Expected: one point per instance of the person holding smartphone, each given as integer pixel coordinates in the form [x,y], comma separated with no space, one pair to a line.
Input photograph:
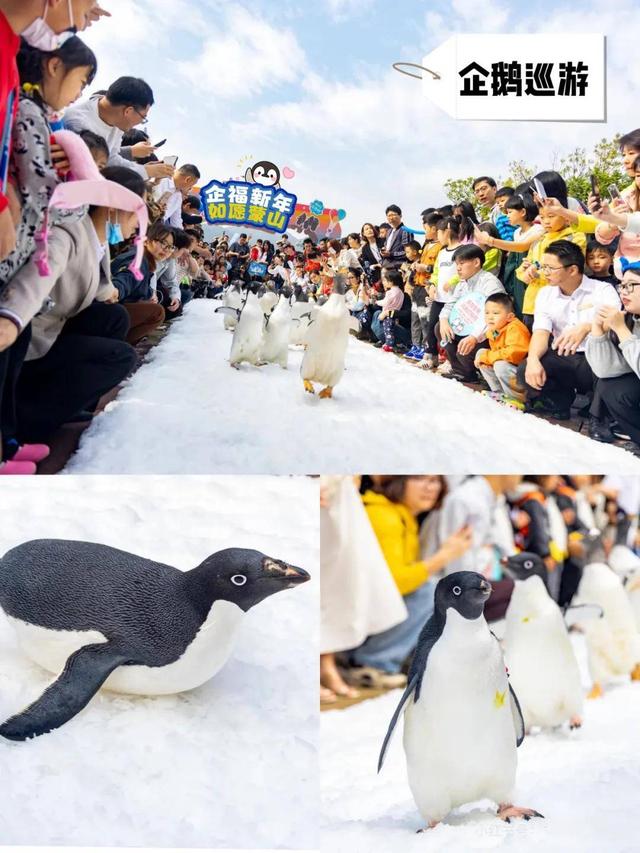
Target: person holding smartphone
[172,190]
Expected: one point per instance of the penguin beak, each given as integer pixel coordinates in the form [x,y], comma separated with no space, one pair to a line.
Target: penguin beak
[486,588]
[288,574]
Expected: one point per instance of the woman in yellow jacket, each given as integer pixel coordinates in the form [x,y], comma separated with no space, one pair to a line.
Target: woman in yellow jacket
[393,505]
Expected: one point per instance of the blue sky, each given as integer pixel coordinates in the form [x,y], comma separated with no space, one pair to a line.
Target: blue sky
[310,86]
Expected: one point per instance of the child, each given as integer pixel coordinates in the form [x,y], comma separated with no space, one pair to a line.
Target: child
[98,147]
[443,277]
[50,82]
[600,261]
[504,226]
[416,286]
[385,322]
[492,256]
[508,346]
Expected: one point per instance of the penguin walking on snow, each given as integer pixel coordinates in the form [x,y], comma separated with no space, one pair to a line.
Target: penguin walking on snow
[96,616]
[327,339]
[233,298]
[613,642]
[462,721]
[542,665]
[247,336]
[277,326]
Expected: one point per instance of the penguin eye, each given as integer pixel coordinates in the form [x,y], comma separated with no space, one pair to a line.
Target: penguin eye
[456,590]
[528,564]
[238,580]
[259,172]
[272,174]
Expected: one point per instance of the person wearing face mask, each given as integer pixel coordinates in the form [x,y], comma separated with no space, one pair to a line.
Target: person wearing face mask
[43,24]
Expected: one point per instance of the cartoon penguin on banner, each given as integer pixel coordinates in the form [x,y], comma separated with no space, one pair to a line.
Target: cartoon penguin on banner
[277,326]
[542,665]
[246,345]
[613,642]
[265,173]
[327,339]
[96,616]
[458,702]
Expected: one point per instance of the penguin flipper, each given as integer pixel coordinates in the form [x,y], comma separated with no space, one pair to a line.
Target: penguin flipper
[516,713]
[581,613]
[83,675]
[411,686]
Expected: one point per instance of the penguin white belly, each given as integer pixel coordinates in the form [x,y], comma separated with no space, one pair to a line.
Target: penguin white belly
[275,346]
[247,338]
[324,358]
[201,660]
[633,591]
[542,665]
[459,737]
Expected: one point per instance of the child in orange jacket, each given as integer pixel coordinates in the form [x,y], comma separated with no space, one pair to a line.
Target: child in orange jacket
[508,341]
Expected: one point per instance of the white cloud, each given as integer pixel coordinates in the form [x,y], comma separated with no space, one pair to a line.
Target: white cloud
[340,10]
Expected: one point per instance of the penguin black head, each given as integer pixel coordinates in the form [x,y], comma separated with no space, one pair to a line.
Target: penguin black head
[520,567]
[340,285]
[244,577]
[466,592]
[265,173]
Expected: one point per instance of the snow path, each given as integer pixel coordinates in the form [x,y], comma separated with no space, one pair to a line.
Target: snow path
[231,764]
[584,782]
[187,411]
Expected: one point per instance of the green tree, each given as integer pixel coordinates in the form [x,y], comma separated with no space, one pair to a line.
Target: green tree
[459,189]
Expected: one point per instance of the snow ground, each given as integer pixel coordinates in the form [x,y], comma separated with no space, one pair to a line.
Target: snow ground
[585,783]
[231,764]
[187,411]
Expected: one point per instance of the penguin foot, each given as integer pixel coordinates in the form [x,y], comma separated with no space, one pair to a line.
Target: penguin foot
[506,811]
[235,366]
[326,393]
[308,387]
[635,675]
[596,691]
[431,825]
[575,722]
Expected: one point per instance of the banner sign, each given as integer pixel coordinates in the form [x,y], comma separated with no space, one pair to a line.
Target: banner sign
[516,77]
[316,221]
[253,205]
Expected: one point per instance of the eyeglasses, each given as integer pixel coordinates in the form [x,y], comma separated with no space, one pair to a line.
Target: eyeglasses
[143,119]
[168,247]
[628,286]
[546,269]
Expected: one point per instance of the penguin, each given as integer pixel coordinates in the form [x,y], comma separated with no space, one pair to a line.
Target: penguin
[542,665]
[277,326]
[327,339]
[302,316]
[462,720]
[268,300]
[265,173]
[97,616]
[233,298]
[613,642]
[626,565]
[247,336]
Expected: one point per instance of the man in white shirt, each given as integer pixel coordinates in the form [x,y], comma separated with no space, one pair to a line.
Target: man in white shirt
[125,105]
[171,192]
[557,368]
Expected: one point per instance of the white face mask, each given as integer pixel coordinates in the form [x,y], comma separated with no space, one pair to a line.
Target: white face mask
[40,35]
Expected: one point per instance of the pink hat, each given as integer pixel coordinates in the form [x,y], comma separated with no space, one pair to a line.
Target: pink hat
[85,185]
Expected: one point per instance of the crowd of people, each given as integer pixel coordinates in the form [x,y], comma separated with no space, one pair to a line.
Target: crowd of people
[101,240]
[387,540]
[524,295]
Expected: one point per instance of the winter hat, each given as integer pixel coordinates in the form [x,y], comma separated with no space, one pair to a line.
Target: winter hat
[85,185]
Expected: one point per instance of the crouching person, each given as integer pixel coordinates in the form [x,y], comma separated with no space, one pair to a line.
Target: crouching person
[508,340]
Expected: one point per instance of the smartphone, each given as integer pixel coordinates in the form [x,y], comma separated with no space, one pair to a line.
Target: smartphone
[540,188]
[160,144]
[595,190]
[614,192]
[171,160]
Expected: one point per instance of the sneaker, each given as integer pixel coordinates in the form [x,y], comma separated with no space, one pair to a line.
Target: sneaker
[378,344]
[376,679]
[545,407]
[400,349]
[444,368]
[415,354]
[429,362]
[12,468]
[31,453]
[493,395]
[387,348]
[600,431]
[512,403]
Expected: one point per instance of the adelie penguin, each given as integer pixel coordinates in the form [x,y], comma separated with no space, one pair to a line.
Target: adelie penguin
[95,616]
[542,665]
[462,721]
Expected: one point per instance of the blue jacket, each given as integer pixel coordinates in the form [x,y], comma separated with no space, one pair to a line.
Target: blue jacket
[129,289]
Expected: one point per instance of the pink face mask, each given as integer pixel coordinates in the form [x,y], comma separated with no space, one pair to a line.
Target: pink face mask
[40,35]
